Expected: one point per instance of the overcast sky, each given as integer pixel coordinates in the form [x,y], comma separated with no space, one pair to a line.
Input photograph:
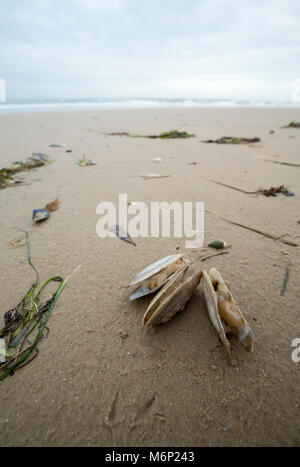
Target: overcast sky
[150,48]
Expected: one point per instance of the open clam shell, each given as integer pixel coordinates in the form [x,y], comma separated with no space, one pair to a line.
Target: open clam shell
[211,301]
[154,276]
[172,298]
[230,312]
[224,313]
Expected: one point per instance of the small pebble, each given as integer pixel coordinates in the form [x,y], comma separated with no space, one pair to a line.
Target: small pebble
[123,334]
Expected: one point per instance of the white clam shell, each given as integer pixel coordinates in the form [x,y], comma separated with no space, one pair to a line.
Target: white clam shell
[154,268]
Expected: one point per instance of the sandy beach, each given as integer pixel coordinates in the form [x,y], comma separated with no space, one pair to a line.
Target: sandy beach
[101,378]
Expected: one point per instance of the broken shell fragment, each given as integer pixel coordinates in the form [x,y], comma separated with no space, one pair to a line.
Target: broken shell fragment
[154,276]
[224,312]
[172,298]
[39,215]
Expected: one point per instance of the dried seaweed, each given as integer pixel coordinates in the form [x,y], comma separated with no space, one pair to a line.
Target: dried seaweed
[290,164]
[171,134]
[83,162]
[272,191]
[165,135]
[28,317]
[292,125]
[32,162]
[233,140]
[119,133]
[204,258]
[261,232]
[232,187]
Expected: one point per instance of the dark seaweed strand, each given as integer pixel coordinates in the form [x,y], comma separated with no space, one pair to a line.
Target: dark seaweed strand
[285,280]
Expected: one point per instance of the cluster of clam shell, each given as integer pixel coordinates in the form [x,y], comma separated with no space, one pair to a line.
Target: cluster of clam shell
[169,278]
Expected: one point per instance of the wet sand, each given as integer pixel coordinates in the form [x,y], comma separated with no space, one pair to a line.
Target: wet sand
[172,385]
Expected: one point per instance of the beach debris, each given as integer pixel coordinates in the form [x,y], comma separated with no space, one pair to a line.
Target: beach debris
[32,162]
[204,258]
[28,317]
[16,242]
[119,232]
[168,275]
[149,176]
[39,215]
[292,125]
[36,160]
[83,162]
[172,134]
[233,140]
[155,275]
[260,232]
[290,164]
[285,280]
[192,163]
[3,351]
[54,145]
[271,132]
[218,244]
[52,206]
[224,313]
[123,334]
[165,135]
[273,191]
[172,298]
[157,159]
[231,186]
[119,133]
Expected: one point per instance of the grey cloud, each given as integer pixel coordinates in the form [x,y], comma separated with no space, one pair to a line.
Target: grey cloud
[94,48]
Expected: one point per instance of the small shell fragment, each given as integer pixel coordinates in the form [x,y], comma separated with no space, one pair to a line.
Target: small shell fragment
[119,232]
[2,351]
[157,159]
[39,215]
[148,176]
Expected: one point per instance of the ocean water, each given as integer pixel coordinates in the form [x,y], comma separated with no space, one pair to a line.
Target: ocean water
[48,105]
